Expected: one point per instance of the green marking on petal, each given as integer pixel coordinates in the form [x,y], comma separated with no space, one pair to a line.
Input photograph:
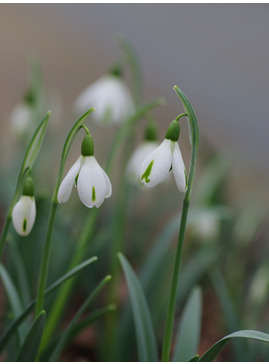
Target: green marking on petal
[24,225]
[147,172]
[93,194]
[76,179]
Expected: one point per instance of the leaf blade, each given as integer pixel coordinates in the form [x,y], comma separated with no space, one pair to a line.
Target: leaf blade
[190,327]
[212,352]
[32,341]
[146,341]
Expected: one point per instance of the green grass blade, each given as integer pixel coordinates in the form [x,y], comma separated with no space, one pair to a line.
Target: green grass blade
[13,297]
[211,353]
[146,342]
[188,336]
[67,332]
[11,329]
[32,341]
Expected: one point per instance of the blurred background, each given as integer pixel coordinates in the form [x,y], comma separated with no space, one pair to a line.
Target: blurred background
[218,55]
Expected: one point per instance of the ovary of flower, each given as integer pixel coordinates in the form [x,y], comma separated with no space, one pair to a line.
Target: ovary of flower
[156,166]
[111,99]
[134,164]
[23,215]
[92,182]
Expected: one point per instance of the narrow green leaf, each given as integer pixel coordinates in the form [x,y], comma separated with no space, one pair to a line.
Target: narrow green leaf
[13,297]
[146,341]
[188,336]
[228,310]
[31,343]
[14,325]
[211,353]
[35,144]
[67,332]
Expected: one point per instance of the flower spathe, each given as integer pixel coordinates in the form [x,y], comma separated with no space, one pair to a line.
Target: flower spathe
[111,99]
[23,215]
[157,165]
[92,182]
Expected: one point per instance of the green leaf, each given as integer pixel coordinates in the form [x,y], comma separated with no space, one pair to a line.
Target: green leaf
[211,353]
[67,332]
[11,329]
[146,342]
[195,358]
[32,341]
[13,297]
[188,336]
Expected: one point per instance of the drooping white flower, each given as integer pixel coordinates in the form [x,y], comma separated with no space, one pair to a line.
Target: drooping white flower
[92,182]
[134,164]
[167,156]
[21,118]
[24,212]
[111,99]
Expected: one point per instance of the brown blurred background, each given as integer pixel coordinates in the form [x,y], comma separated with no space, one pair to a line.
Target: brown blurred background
[217,53]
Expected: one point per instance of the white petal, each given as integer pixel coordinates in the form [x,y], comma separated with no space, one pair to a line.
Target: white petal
[21,118]
[160,161]
[111,99]
[23,215]
[92,185]
[108,184]
[134,164]
[68,181]
[178,169]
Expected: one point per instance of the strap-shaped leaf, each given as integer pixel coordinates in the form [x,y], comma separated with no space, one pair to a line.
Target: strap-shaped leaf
[190,328]
[14,325]
[31,343]
[146,341]
[211,353]
[67,332]
[13,297]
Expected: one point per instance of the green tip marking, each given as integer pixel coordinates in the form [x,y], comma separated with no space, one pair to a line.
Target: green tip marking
[93,194]
[24,225]
[147,172]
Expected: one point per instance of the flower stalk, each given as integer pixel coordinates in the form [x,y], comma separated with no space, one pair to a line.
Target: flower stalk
[174,285]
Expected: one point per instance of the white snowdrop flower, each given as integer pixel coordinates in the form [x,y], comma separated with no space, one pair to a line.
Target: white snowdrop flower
[24,212]
[141,152]
[21,118]
[92,182]
[156,166]
[134,164]
[111,99]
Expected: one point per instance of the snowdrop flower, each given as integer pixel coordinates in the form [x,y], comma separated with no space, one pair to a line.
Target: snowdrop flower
[110,97]
[92,182]
[21,118]
[24,212]
[157,165]
[142,151]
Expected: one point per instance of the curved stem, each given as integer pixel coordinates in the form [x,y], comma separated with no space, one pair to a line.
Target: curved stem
[183,222]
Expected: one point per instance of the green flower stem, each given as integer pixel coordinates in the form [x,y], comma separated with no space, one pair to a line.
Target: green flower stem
[54,203]
[174,286]
[4,234]
[89,225]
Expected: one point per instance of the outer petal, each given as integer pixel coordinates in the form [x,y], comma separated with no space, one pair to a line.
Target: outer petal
[68,181]
[108,184]
[92,185]
[157,164]
[21,118]
[178,169]
[23,215]
[134,164]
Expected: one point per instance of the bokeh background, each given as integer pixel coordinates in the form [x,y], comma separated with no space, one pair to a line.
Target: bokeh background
[218,55]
